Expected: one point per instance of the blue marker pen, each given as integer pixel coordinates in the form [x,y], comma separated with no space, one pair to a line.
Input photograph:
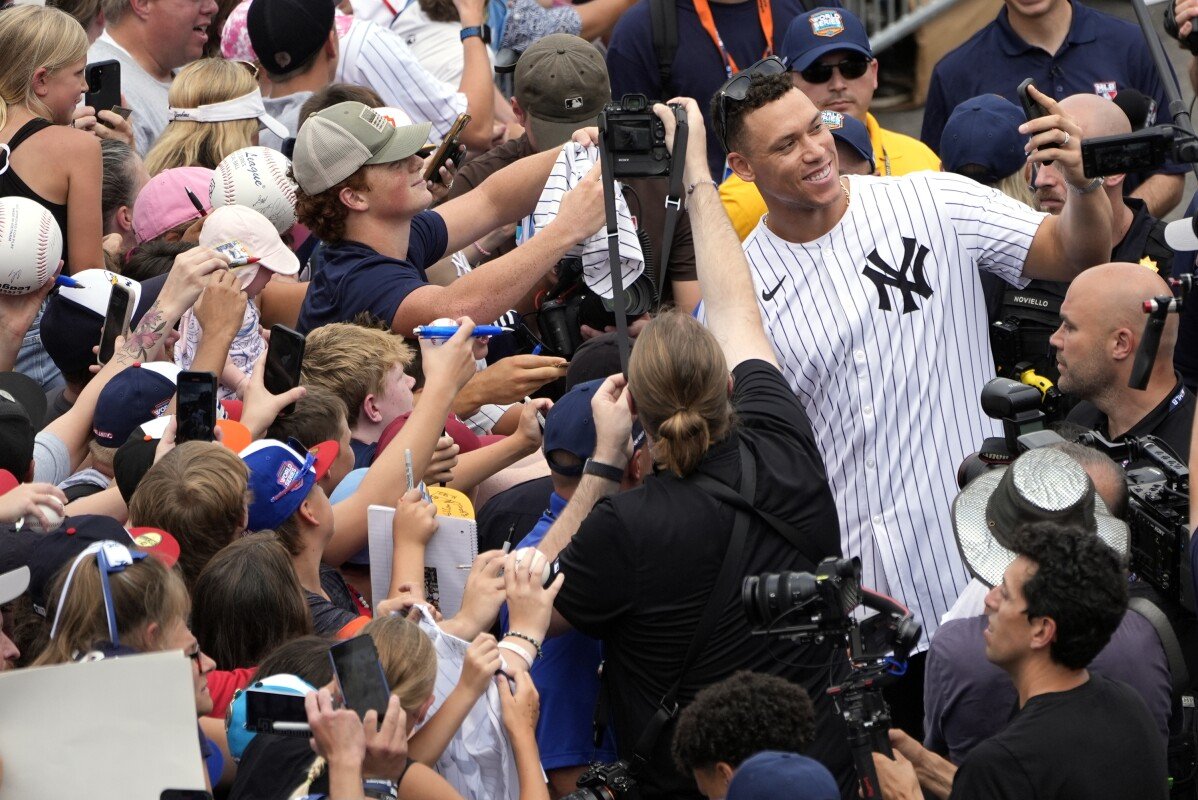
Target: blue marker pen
[67,281]
[447,331]
[536,351]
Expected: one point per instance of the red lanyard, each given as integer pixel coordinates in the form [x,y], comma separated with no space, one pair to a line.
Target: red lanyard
[764,13]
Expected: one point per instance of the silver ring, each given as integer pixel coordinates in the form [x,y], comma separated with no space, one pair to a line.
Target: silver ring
[1066,141]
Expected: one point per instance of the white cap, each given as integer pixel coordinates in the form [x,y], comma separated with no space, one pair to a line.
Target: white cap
[256,236]
[1181,234]
[95,289]
[248,106]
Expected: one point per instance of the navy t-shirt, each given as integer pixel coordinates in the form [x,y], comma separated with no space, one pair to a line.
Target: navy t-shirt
[356,278]
[698,69]
[1101,55]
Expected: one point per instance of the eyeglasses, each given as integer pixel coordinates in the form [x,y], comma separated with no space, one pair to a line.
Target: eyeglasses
[249,65]
[849,68]
[737,88]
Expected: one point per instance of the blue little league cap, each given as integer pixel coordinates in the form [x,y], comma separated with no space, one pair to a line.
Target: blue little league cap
[280,479]
[134,396]
[984,131]
[852,132]
[770,775]
[824,30]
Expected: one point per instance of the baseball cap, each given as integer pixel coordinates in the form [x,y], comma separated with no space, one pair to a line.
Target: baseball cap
[286,33]
[561,83]
[135,395]
[595,358]
[1042,485]
[335,143]
[247,106]
[570,428]
[771,774]
[74,317]
[281,476]
[852,132]
[984,132]
[466,440]
[163,204]
[19,407]
[824,30]
[13,584]
[253,234]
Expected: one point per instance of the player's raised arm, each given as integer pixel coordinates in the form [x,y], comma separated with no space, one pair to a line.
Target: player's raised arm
[728,295]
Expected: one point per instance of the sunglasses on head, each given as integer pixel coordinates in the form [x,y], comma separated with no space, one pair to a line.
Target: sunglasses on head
[850,68]
[737,88]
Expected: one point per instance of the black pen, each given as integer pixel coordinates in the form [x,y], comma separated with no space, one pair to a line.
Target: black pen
[195,201]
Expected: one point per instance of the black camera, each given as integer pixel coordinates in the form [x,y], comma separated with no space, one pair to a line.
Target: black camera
[814,607]
[571,304]
[605,782]
[1140,151]
[634,138]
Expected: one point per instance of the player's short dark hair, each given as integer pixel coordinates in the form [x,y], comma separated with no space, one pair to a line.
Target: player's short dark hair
[740,716]
[1079,582]
[763,89]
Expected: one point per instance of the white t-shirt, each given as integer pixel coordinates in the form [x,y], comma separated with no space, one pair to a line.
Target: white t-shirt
[881,330]
[146,95]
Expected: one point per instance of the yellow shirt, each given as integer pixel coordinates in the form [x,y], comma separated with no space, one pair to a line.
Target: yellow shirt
[894,154]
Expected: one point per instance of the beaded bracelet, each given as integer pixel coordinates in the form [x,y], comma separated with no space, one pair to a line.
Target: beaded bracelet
[515,648]
[528,639]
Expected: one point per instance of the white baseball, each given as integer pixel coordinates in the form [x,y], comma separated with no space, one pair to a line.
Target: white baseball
[533,554]
[256,177]
[52,514]
[30,245]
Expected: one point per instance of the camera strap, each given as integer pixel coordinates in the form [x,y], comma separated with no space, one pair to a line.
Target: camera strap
[673,202]
[663,22]
[667,708]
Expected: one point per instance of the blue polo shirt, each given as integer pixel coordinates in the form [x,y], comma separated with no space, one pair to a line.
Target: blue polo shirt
[1101,54]
[567,678]
[698,69]
[355,277]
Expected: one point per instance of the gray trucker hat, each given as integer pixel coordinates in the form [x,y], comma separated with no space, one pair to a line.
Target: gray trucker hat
[334,143]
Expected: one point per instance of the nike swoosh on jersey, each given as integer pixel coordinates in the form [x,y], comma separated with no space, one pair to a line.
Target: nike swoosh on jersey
[767,296]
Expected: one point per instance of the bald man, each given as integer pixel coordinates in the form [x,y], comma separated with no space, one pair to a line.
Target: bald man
[1102,322]
[1136,235]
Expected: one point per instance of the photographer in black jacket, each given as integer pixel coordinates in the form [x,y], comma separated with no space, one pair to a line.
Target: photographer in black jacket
[641,565]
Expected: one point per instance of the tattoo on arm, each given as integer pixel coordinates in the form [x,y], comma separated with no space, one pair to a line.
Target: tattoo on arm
[146,338]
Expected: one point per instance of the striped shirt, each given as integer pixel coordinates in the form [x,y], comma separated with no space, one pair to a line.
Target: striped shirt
[374,56]
[880,328]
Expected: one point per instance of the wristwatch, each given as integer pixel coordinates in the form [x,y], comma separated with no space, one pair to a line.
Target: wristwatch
[1087,188]
[481,31]
[380,789]
[601,470]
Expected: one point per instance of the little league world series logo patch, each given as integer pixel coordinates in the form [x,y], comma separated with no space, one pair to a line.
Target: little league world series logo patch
[833,119]
[827,24]
[286,474]
[1107,89]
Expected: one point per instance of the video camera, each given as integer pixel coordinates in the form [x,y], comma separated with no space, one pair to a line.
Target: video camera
[820,606]
[1158,484]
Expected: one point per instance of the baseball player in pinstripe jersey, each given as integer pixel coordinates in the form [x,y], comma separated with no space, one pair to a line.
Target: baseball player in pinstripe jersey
[869,289]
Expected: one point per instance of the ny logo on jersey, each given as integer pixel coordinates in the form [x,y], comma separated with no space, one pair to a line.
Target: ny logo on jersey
[883,275]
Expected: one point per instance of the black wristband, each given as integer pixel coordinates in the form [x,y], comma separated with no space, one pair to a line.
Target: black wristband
[601,470]
[481,31]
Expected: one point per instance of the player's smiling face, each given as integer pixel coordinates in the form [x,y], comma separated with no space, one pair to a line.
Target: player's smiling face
[789,153]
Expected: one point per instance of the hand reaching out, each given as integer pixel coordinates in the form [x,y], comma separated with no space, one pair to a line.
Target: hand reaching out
[530,605]
[483,596]
[480,665]
[221,307]
[35,499]
[415,519]
[445,458]
[522,709]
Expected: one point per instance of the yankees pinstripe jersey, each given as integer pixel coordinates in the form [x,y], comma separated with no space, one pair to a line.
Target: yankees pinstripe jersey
[374,56]
[880,328]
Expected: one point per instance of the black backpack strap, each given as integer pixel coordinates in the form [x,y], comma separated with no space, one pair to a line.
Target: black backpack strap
[663,21]
[730,569]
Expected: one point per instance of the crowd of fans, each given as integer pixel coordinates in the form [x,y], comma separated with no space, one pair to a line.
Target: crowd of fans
[813,317]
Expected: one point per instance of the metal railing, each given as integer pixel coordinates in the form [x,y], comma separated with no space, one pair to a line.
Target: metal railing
[888,21]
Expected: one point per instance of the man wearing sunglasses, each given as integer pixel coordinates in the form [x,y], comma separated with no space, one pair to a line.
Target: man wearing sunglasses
[828,54]
[1067,48]
[870,292]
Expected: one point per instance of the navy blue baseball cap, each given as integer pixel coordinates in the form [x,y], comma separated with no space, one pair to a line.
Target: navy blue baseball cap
[771,774]
[984,132]
[852,132]
[570,428]
[134,396]
[282,476]
[824,30]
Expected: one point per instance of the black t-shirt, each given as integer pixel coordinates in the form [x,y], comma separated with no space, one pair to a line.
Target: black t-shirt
[511,514]
[1171,421]
[640,569]
[272,767]
[1097,740]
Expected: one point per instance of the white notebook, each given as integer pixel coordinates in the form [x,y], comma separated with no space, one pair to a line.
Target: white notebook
[455,542]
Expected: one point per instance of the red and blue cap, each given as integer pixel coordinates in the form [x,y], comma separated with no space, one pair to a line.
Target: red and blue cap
[134,396]
[282,476]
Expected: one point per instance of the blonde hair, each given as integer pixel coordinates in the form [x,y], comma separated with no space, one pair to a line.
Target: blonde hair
[1016,187]
[679,379]
[186,143]
[32,38]
[144,592]
[352,361]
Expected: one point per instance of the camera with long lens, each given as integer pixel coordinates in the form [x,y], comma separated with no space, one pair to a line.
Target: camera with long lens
[605,782]
[635,138]
[570,304]
[819,606]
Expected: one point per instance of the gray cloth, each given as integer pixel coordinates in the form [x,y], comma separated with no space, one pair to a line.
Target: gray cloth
[968,700]
[51,459]
[145,95]
[285,110]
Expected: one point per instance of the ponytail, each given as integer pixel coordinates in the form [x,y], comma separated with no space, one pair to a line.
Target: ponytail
[683,438]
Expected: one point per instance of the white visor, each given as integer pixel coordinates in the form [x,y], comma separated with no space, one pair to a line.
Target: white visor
[248,106]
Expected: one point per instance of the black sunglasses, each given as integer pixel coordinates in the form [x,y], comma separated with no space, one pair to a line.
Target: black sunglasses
[737,88]
[849,68]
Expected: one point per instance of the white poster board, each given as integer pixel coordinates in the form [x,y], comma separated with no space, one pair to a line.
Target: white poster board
[116,729]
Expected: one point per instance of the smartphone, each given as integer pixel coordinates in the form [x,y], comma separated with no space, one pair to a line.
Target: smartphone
[447,149]
[277,713]
[103,85]
[195,407]
[360,675]
[283,362]
[116,321]
[1031,109]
